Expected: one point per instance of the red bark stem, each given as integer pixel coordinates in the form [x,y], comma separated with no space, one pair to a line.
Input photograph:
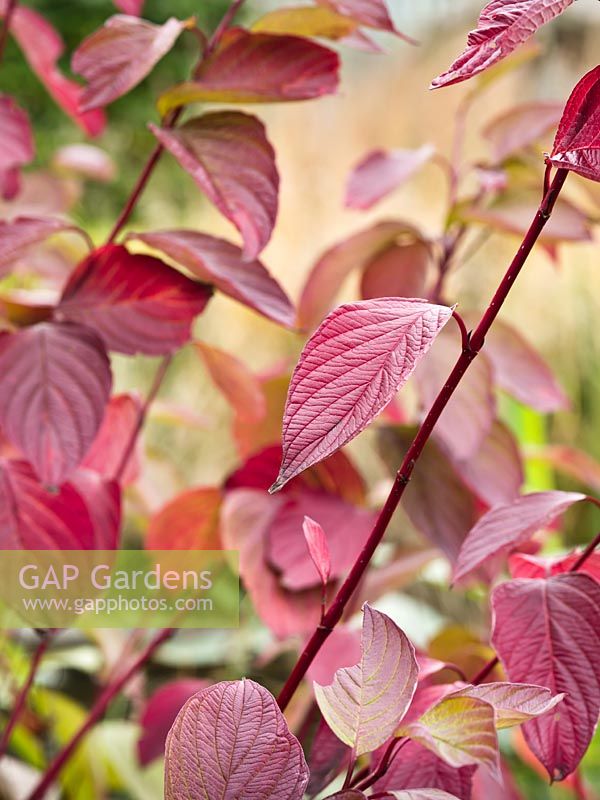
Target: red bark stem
[97,712]
[463,362]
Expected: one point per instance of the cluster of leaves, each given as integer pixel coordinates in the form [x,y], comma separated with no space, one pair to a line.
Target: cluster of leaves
[390,718]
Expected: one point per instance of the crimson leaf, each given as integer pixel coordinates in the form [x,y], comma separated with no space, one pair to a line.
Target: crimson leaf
[16,145]
[349,371]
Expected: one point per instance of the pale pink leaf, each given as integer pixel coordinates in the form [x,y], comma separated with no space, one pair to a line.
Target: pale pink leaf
[16,145]
[349,371]
[520,127]
[365,703]
[18,235]
[503,25]
[222,264]
[341,649]
[399,271]
[421,767]
[420,794]
[487,787]
[380,172]
[231,740]
[506,526]
[287,550]
[56,383]
[514,703]
[121,417]
[86,160]
[119,55]
[133,7]
[547,631]
[355,252]
[371,13]
[576,145]
[229,156]
[316,541]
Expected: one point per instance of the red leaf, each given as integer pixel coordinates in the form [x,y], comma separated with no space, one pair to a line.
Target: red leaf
[503,25]
[189,522]
[316,541]
[230,158]
[520,127]
[337,263]
[245,520]
[380,172]
[287,551]
[521,371]
[16,145]
[86,160]
[238,726]
[18,235]
[348,371]
[119,55]
[84,514]
[119,423]
[221,263]
[43,47]
[470,413]
[160,713]
[577,146]
[240,387]
[507,526]
[523,565]
[55,385]
[135,303]
[546,631]
[420,767]
[399,271]
[258,68]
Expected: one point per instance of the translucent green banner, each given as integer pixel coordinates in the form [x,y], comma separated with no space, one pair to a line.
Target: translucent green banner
[119,589]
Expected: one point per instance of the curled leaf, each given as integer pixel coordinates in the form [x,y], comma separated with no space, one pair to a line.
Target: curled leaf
[513,703]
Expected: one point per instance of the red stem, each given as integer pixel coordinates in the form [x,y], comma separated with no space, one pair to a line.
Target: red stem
[19,704]
[463,362]
[97,712]
[10,10]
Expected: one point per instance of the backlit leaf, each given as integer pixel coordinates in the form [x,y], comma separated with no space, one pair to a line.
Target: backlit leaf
[577,146]
[365,703]
[231,740]
[306,21]
[56,383]
[546,631]
[520,127]
[239,386]
[316,541]
[380,172]
[349,371]
[523,565]
[513,703]
[121,417]
[189,522]
[505,527]
[372,13]
[232,161]
[119,55]
[503,25]
[258,68]
[220,263]
[135,303]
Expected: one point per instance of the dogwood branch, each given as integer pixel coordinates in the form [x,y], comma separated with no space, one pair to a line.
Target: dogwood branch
[468,354]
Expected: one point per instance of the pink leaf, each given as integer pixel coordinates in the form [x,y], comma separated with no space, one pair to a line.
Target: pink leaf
[159,715]
[119,55]
[316,541]
[365,703]
[43,47]
[229,156]
[18,235]
[287,551]
[420,767]
[349,371]
[503,25]
[341,649]
[239,386]
[118,426]
[258,68]
[520,370]
[16,145]
[86,160]
[507,526]
[135,303]
[231,740]
[355,252]
[399,271]
[520,127]
[380,172]
[470,413]
[523,565]
[328,757]
[221,263]
[84,514]
[372,13]
[576,146]
[421,794]
[347,794]
[546,631]
[56,382]
[132,7]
